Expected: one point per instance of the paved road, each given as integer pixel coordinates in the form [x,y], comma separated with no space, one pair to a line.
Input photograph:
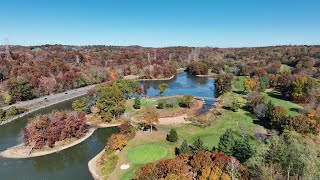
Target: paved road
[51,99]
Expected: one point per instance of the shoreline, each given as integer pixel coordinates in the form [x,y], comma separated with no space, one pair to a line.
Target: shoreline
[93,168]
[71,93]
[22,152]
[161,79]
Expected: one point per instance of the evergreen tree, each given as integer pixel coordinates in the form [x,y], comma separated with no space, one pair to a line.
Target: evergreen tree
[242,149]
[198,146]
[226,142]
[184,148]
[172,136]
[137,103]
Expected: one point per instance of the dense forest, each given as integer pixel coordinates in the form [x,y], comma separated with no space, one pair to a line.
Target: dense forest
[41,70]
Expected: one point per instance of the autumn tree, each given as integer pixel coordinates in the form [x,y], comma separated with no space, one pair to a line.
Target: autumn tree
[223,84]
[20,88]
[150,116]
[250,84]
[162,88]
[117,142]
[237,103]
[110,101]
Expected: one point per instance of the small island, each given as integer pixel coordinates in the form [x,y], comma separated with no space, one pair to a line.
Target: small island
[50,133]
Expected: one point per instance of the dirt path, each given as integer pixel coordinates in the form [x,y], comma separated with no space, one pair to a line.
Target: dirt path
[174,120]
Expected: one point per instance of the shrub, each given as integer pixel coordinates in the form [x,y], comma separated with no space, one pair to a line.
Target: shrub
[12,111]
[160,105]
[237,104]
[172,136]
[109,163]
[137,103]
[169,105]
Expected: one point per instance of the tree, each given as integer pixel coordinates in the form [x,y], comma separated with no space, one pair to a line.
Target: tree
[223,84]
[250,84]
[255,98]
[197,68]
[227,141]
[187,99]
[117,142]
[264,83]
[278,116]
[198,146]
[237,104]
[184,148]
[151,116]
[242,149]
[20,89]
[260,110]
[137,103]
[110,100]
[12,111]
[172,136]
[162,88]
[81,104]
[289,156]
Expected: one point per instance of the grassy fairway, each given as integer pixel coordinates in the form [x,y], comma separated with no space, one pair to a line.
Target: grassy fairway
[291,107]
[146,153]
[241,121]
[237,82]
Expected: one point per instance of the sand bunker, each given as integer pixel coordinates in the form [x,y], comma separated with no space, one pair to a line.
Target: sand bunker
[124,166]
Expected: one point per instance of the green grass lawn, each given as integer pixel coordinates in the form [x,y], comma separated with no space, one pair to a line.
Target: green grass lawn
[237,82]
[146,153]
[151,147]
[241,121]
[152,102]
[291,107]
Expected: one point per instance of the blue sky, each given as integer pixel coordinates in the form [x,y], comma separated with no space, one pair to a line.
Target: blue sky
[158,23]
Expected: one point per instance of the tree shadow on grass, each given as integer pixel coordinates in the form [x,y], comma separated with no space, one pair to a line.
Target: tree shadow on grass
[276,95]
[262,123]
[239,92]
[298,110]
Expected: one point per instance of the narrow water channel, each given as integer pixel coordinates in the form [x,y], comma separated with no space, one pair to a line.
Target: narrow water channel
[67,164]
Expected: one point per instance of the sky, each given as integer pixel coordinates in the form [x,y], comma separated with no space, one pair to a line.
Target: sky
[161,23]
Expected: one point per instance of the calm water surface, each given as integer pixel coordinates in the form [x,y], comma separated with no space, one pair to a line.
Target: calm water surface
[72,162]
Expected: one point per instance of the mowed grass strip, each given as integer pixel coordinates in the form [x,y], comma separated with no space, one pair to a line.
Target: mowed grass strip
[146,153]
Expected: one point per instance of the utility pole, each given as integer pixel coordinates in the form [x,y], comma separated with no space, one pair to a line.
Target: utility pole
[155,54]
[7,50]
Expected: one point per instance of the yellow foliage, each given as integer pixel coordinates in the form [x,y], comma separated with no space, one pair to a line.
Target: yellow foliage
[250,84]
